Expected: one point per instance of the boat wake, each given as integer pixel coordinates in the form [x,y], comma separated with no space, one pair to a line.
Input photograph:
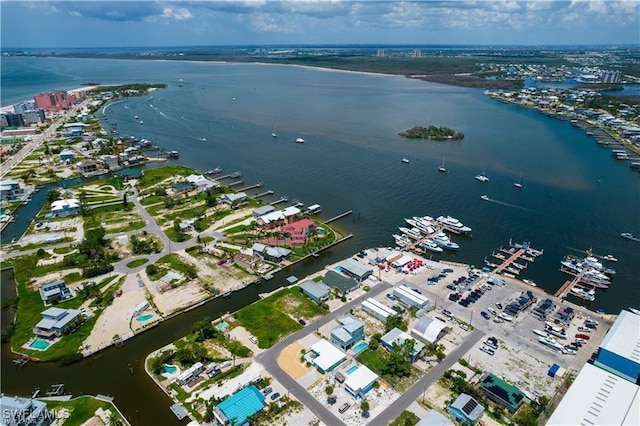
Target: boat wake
[515,206]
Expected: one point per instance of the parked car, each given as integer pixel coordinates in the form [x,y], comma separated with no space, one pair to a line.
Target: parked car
[577,343]
[275,396]
[447,313]
[267,390]
[465,327]
[490,344]
[499,305]
[451,286]
[302,322]
[253,340]
[581,340]
[582,336]
[493,311]
[487,350]
[584,329]
[447,270]
[485,315]
[591,325]
[344,407]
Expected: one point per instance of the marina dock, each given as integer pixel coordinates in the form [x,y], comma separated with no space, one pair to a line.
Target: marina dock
[509,256]
[262,194]
[568,285]
[281,200]
[239,182]
[340,216]
[255,185]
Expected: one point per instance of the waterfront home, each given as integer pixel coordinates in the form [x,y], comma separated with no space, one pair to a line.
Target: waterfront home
[111,162]
[273,218]
[315,291]
[87,167]
[291,214]
[236,409]
[248,262]
[24,411]
[502,392]
[360,381]
[466,410]
[233,199]
[67,207]
[271,254]
[341,283]
[10,190]
[355,269]
[300,231]
[67,154]
[73,129]
[190,374]
[54,292]
[398,337]
[429,330]
[99,142]
[348,333]
[325,356]
[378,309]
[201,183]
[131,174]
[262,210]
[55,322]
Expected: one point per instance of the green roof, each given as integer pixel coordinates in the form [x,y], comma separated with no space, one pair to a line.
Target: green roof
[507,393]
[342,283]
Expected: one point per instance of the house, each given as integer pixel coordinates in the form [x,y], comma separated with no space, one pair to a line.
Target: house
[272,218]
[10,190]
[130,174]
[300,231]
[360,381]
[66,154]
[262,210]
[73,129]
[87,166]
[24,411]
[99,142]
[291,214]
[355,269]
[233,199]
[348,333]
[502,392]
[378,309]
[236,409]
[186,225]
[67,207]
[429,330]
[341,283]
[398,337]
[55,322]
[111,162]
[271,254]
[54,292]
[315,291]
[190,373]
[326,357]
[434,418]
[466,410]
[201,183]
[411,298]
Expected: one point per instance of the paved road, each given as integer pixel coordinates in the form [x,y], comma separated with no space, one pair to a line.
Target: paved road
[269,359]
[399,405]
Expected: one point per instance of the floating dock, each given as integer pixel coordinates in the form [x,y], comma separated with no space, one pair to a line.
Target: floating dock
[512,253]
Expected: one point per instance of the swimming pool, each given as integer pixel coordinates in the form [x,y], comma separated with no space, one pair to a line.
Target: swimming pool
[168,369]
[39,344]
[360,347]
[338,268]
[351,369]
[222,326]
[143,318]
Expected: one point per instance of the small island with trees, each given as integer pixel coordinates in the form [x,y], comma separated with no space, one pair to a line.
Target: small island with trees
[431,132]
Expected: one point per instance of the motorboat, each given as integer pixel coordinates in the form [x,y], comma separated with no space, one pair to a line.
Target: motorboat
[401,240]
[423,225]
[518,185]
[410,233]
[551,343]
[299,140]
[441,168]
[627,235]
[443,241]
[453,223]
[405,160]
[583,294]
[136,117]
[430,245]
[482,178]
[610,258]
[593,263]
[485,197]
[274,135]
[545,335]
[412,222]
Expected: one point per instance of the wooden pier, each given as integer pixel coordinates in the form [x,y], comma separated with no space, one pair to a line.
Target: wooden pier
[238,182]
[281,200]
[255,185]
[340,216]
[515,252]
[262,194]
[568,285]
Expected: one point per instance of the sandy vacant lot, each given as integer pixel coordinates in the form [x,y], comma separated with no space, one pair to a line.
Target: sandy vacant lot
[289,361]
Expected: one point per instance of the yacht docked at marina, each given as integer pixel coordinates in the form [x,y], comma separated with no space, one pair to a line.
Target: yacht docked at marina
[453,223]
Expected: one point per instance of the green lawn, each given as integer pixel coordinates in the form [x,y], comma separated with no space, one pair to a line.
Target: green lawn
[406,418]
[136,263]
[376,359]
[270,319]
[154,176]
[83,408]
[176,263]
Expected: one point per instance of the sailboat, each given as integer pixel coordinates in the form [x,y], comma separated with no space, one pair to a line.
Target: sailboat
[518,184]
[441,168]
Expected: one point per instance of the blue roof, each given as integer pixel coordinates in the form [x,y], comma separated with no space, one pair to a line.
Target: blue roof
[240,406]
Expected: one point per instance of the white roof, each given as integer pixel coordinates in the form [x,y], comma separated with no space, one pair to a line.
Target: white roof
[68,203]
[404,293]
[402,261]
[290,211]
[360,379]
[428,329]
[273,216]
[328,355]
[380,308]
[598,397]
[623,338]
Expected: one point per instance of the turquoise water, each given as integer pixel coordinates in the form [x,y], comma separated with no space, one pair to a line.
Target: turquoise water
[143,318]
[351,369]
[39,344]
[338,268]
[360,347]
[222,326]
[168,369]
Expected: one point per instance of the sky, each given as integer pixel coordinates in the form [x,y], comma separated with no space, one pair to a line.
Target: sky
[69,24]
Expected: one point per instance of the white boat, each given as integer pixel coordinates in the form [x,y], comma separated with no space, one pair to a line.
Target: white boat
[441,168]
[453,223]
[274,135]
[410,233]
[610,258]
[424,225]
[551,343]
[299,140]
[483,177]
[518,184]
[485,197]
[583,294]
[141,122]
[430,245]
[545,335]
[443,241]
[411,222]
[405,160]
[136,117]
[401,241]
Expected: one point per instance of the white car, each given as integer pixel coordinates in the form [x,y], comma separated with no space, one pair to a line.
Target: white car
[465,327]
[487,350]
[506,317]
[584,329]
[253,340]
[491,310]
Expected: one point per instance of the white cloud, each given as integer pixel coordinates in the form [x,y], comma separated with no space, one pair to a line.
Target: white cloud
[179,14]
